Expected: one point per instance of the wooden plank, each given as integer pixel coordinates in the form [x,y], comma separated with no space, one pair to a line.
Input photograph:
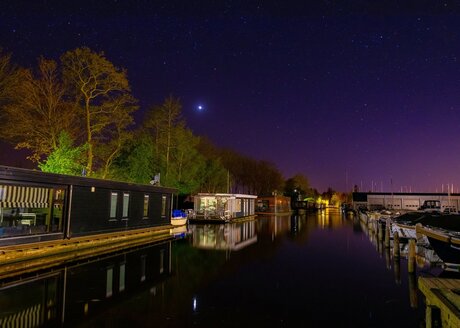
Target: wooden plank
[439,294]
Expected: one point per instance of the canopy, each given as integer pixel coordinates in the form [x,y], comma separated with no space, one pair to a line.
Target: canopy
[22,196]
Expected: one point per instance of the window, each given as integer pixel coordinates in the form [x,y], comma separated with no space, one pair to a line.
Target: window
[113,205]
[146,205]
[125,204]
[163,205]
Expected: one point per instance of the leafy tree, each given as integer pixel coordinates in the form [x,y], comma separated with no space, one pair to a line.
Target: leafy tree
[65,159]
[101,92]
[39,113]
[214,177]
[136,160]
[187,163]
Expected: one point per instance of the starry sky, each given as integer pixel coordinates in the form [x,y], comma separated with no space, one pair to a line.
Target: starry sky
[345,92]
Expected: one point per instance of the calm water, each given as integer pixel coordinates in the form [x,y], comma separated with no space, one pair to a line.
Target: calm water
[318,270]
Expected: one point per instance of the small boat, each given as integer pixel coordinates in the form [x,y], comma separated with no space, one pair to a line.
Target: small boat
[179,218]
[445,243]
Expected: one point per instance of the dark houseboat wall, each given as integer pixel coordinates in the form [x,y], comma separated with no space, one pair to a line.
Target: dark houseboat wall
[37,206]
[114,209]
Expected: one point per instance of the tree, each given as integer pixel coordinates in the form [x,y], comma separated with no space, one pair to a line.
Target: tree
[101,91]
[187,163]
[10,78]
[136,160]
[297,185]
[163,122]
[65,159]
[39,112]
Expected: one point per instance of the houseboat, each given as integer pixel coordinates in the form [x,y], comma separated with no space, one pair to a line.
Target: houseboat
[278,205]
[222,207]
[37,206]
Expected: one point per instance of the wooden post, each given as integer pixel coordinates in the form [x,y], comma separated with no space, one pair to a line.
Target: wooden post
[411,259]
[396,245]
[387,234]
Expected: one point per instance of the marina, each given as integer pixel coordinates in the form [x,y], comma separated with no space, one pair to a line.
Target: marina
[324,268]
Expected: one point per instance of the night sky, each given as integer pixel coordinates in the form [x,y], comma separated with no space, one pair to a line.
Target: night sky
[346,94]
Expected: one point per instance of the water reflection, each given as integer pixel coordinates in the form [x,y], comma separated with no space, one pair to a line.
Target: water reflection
[70,294]
[322,269]
[232,236]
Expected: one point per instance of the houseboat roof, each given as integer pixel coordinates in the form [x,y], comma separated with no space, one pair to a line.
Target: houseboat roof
[34,176]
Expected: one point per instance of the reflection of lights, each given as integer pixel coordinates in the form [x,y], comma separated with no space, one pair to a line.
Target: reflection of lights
[194,304]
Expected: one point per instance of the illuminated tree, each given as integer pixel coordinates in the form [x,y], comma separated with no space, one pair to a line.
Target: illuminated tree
[65,159]
[101,94]
[112,138]
[8,78]
[39,112]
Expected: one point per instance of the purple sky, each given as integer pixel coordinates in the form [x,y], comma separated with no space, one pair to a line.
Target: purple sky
[345,94]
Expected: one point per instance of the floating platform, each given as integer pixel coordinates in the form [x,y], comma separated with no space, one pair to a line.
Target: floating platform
[442,301]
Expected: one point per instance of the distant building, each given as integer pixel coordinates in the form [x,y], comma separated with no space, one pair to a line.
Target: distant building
[403,201]
[273,205]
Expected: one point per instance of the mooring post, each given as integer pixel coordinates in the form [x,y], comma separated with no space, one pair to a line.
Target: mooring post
[387,234]
[411,259]
[396,245]
[397,270]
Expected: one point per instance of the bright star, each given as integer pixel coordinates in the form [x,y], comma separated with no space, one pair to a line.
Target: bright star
[200,108]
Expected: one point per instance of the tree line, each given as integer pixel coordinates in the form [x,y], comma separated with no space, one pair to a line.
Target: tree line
[75,116]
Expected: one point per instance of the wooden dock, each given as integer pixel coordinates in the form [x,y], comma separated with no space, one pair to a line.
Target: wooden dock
[442,301]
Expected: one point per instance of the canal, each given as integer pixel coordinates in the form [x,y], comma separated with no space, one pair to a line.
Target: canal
[317,270]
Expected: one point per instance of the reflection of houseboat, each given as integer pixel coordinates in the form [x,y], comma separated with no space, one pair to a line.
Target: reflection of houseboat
[273,205]
[234,236]
[222,207]
[37,206]
[57,298]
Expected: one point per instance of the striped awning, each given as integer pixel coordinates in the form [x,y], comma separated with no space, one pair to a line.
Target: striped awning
[23,196]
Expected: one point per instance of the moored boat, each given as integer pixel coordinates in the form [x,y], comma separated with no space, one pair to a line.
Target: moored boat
[445,243]
[221,208]
[179,218]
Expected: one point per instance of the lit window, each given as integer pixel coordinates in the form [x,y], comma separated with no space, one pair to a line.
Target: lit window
[125,204]
[113,205]
[146,205]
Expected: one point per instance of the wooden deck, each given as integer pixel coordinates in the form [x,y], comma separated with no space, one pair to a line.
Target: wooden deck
[442,301]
